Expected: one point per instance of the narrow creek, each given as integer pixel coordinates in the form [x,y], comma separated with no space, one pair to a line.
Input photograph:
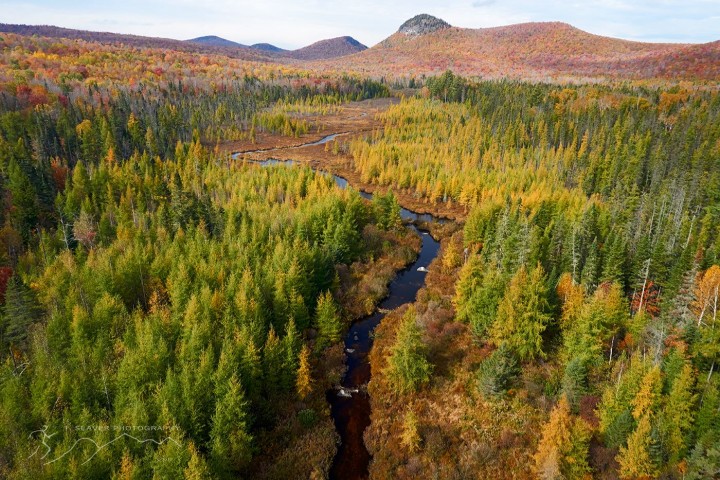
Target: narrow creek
[349,402]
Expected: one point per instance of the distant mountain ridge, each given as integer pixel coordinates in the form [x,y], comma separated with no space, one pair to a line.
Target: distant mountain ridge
[216,41]
[330,48]
[323,49]
[426,45]
[137,41]
[268,47]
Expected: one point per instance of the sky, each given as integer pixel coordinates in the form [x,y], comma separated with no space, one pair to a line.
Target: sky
[293,24]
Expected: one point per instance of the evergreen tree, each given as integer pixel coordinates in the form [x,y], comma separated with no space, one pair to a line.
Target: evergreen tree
[20,311]
[291,343]
[522,315]
[197,468]
[251,368]
[678,414]
[497,372]
[24,200]
[230,440]
[616,408]
[704,462]
[479,291]
[408,367]
[387,211]
[707,421]
[170,459]
[273,364]
[614,261]
[574,382]
[595,327]
[327,321]
[589,275]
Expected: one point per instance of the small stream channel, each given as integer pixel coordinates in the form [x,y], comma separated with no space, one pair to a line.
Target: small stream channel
[350,403]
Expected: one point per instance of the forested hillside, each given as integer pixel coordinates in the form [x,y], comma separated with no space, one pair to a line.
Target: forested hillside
[133,41]
[580,329]
[536,51]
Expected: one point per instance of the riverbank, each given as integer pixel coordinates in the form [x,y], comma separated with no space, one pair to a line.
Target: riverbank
[305,447]
[454,432]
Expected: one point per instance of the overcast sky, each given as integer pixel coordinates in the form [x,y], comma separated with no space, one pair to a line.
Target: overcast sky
[292,24]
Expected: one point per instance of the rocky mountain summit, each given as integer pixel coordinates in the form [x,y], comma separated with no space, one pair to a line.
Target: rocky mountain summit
[423,24]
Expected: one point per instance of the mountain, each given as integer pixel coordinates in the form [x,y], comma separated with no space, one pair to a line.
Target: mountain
[137,41]
[267,47]
[426,45]
[324,49]
[329,49]
[215,41]
[535,51]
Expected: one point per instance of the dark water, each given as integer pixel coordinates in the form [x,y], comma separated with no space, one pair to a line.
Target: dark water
[322,141]
[352,414]
[349,403]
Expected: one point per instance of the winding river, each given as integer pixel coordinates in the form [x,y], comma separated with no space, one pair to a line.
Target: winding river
[349,402]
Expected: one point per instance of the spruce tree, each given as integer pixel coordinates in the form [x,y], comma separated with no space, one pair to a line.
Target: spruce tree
[479,290]
[24,198]
[230,440]
[327,321]
[679,414]
[273,369]
[522,315]
[408,366]
[20,311]
[291,344]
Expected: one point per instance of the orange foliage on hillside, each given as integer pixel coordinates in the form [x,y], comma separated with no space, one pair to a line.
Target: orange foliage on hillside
[536,51]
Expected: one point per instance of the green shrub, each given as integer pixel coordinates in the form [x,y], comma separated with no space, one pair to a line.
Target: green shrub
[308,417]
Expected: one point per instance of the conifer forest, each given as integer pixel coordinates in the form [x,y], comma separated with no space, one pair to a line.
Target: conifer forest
[215,266]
